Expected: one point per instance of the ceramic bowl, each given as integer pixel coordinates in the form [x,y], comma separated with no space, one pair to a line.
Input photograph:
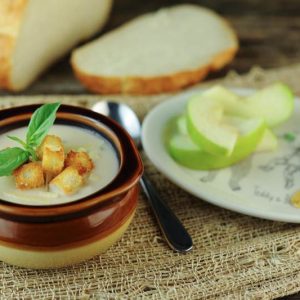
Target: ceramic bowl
[63,234]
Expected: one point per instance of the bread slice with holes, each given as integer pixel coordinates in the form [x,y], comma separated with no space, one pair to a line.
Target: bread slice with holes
[35,33]
[157,52]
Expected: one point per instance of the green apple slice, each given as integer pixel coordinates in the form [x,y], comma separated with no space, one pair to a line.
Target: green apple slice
[206,126]
[274,103]
[269,142]
[183,150]
[228,99]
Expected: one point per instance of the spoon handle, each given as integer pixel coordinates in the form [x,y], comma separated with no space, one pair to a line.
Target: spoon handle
[173,230]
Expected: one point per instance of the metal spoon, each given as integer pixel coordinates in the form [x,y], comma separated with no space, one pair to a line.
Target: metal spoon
[176,235]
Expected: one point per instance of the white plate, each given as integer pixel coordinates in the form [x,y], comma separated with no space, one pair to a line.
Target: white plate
[259,186]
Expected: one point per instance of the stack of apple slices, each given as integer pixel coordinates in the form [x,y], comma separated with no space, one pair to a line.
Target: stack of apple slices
[220,128]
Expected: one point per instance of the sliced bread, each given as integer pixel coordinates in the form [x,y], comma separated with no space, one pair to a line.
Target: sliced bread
[35,33]
[157,52]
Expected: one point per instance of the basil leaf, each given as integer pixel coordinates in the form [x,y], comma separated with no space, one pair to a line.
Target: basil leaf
[16,139]
[26,147]
[32,153]
[40,123]
[11,159]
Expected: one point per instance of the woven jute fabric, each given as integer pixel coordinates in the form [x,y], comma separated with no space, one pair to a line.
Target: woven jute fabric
[234,256]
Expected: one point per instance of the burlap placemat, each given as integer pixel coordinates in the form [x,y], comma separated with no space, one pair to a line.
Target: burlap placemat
[234,256]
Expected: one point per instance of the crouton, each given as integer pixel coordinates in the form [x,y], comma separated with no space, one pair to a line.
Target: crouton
[67,182]
[80,160]
[53,161]
[52,154]
[52,142]
[29,176]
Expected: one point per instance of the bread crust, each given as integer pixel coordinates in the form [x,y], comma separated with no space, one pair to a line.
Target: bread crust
[11,12]
[152,85]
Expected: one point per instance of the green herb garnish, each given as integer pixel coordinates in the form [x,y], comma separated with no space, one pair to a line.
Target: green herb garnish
[12,158]
[289,137]
[39,125]
[27,147]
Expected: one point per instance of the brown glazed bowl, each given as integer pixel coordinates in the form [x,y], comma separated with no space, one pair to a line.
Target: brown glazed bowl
[63,234]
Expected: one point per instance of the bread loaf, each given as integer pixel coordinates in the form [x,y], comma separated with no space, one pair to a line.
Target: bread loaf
[157,52]
[35,33]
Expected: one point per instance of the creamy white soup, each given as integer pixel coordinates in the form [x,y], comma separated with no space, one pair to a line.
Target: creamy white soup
[99,149]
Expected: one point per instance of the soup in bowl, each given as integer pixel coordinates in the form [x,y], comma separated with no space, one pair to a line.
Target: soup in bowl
[44,227]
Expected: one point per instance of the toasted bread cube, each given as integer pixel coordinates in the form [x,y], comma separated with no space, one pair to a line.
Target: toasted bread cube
[67,182]
[51,142]
[29,176]
[81,161]
[53,161]
[52,154]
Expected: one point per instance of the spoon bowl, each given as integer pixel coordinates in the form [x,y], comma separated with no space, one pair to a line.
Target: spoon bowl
[123,115]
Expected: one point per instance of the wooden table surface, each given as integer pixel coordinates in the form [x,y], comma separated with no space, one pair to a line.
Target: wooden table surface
[268,31]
